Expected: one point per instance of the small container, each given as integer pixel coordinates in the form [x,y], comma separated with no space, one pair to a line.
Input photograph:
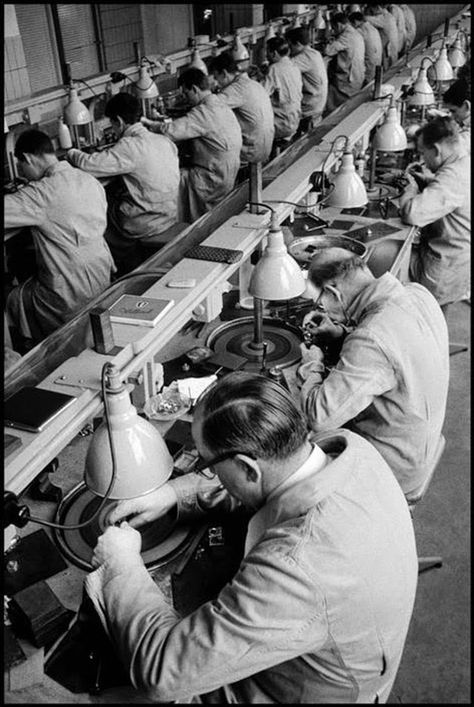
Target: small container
[276,374]
[64,135]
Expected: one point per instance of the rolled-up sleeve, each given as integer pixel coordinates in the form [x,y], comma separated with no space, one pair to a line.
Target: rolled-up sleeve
[439,198]
[245,630]
[362,373]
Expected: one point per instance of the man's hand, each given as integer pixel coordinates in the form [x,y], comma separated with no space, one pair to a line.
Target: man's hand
[117,546]
[321,328]
[144,509]
[155,126]
[71,154]
[314,355]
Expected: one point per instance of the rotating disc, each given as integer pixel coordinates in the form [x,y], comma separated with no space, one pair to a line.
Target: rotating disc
[162,540]
[382,191]
[237,336]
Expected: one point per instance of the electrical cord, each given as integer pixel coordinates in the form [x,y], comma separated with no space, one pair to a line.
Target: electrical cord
[59,526]
[89,87]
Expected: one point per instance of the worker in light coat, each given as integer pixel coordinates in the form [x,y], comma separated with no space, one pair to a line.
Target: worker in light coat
[457,100]
[386,24]
[383,385]
[284,84]
[146,200]
[66,210]
[251,105]
[410,26]
[438,200]
[399,16]
[314,76]
[347,68]
[216,142]
[319,609]
[373,50]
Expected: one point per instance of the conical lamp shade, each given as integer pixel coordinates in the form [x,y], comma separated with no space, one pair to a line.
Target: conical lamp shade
[270,33]
[198,63]
[145,87]
[441,70]
[239,51]
[390,137]
[277,275]
[75,112]
[456,56]
[422,92]
[143,460]
[349,190]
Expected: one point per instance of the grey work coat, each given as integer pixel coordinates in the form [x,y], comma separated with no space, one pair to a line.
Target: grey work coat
[386,24]
[216,142]
[149,169]
[390,384]
[348,70]
[443,211]
[66,210]
[410,26]
[284,85]
[253,109]
[317,612]
[315,82]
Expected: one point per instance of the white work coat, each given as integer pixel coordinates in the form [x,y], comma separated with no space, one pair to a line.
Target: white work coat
[373,49]
[410,26]
[387,26]
[315,82]
[67,213]
[443,211]
[216,142]
[317,612]
[284,84]
[390,383]
[399,15]
[348,67]
[148,166]
[253,109]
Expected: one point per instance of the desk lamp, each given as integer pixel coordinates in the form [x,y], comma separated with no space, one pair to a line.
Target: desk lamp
[389,137]
[79,120]
[145,89]
[456,56]
[348,188]
[276,276]
[196,61]
[422,95]
[240,53]
[441,71]
[270,32]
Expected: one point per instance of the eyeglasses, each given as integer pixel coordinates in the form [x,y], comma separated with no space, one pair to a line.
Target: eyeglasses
[329,288]
[204,468]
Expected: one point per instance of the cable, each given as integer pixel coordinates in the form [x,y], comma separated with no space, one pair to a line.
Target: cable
[59,526]
[89,87]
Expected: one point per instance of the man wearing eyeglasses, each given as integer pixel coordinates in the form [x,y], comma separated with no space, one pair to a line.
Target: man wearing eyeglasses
[319,609]
[390,382]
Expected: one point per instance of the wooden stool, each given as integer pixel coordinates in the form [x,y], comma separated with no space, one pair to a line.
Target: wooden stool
[427,563]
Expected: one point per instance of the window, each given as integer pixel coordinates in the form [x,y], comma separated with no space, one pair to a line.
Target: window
[38,40]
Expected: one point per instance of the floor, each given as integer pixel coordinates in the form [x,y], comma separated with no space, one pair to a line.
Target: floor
[435,667]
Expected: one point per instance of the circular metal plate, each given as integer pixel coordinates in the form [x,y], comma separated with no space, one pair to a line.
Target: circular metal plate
[237,337]
[383,191]
[303,249]
[162,540]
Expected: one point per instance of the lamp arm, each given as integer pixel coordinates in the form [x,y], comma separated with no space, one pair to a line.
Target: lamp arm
[99,508]
[323,169]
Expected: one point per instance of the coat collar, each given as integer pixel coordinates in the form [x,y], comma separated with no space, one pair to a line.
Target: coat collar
[374,296]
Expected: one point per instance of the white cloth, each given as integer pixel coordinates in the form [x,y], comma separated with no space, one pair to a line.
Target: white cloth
[284,85]
[148,166]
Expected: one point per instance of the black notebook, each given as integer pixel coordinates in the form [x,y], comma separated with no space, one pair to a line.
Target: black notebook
[33,408]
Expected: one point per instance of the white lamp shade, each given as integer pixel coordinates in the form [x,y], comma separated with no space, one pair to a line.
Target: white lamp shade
[277,275]
[270,32]
[75,112]
[145,87]
[456,55]
[349,190]
[390,137]
[239,51]
[143,460]
[422,92]
[441,70]
[198,63]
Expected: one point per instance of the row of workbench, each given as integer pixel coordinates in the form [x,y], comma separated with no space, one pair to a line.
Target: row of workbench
[57,365]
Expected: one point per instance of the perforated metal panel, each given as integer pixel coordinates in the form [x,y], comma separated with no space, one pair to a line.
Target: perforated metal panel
[39,46]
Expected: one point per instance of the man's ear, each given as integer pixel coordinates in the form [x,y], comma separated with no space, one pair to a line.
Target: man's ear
[252,467]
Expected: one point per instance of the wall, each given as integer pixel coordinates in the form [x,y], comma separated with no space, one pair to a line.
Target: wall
[16,79]
[428,17]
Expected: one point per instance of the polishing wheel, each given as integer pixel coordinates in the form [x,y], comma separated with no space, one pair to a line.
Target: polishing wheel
[237,336]
[162,540]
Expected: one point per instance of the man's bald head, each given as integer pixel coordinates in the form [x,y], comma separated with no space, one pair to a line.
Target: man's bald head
[330,265]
